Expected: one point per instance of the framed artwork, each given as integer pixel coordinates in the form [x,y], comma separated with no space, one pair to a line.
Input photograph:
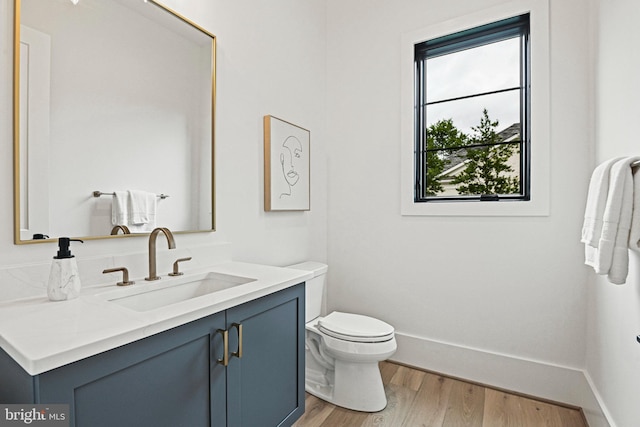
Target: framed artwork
[286,166]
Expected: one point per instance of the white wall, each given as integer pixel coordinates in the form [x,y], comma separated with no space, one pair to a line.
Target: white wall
[613,355]
[271,60]
[498,299]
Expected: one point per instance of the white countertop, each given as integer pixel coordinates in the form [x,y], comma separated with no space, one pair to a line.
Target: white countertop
[41,335]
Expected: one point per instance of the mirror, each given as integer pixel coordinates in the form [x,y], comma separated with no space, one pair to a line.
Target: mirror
[111,97]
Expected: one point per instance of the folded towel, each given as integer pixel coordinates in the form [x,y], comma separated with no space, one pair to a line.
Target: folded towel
[619,262]
[594,212]
[596,202]
[142,228]
[634,233]
[120,208]
[142,205]
[135,209]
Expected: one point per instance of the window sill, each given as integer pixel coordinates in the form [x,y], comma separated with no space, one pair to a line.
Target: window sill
[476,208]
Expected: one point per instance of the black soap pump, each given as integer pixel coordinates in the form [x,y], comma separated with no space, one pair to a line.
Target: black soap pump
[64,278]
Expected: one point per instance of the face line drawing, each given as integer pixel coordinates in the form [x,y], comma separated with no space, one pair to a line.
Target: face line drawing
[290,153]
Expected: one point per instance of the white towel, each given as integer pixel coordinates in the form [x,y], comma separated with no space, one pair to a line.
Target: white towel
[134,208]
[142,211]
[634,233]
[594,211]
[596,202]
[610,255]
[142,205]
[615,231]
[120,208]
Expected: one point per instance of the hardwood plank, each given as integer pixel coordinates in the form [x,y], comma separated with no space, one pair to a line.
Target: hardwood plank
[344,417]
[407,377]
[500,410]
[571,417]
[315,413]
[387,371]
[466,406]
[399,400]
[430,404]
[504,409]
[538,413]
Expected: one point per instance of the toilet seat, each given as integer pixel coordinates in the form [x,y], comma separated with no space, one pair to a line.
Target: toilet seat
[355,328]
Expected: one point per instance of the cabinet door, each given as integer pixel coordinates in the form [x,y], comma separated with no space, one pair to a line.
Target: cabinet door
[265,386]
[169,379]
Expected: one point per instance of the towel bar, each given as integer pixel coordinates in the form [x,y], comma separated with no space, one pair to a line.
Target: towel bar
[100,193]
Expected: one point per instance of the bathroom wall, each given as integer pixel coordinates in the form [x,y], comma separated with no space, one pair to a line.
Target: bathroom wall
[613,354]
[501,300]
[271,60]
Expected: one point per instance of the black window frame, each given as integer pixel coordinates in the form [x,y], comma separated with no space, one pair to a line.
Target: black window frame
[517,26]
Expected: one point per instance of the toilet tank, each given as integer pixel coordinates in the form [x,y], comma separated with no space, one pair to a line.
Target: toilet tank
[314,287]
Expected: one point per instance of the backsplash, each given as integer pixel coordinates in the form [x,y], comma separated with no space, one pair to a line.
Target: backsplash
[30,280]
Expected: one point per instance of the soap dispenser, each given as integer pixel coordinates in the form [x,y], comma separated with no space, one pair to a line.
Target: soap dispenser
[64,279]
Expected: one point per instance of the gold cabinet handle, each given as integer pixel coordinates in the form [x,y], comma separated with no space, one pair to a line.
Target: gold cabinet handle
[238,327]
[225,351]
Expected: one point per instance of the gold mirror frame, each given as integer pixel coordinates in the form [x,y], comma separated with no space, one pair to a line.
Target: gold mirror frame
[16,131]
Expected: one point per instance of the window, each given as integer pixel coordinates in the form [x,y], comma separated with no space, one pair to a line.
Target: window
[472,114]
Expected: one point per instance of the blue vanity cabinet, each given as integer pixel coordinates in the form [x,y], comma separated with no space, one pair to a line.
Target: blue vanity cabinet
[168,379]
[265,386]
[178,377]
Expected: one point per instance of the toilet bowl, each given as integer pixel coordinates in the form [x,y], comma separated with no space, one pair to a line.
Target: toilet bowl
[342,351]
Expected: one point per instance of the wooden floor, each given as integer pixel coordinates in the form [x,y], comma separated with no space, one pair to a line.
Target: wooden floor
[416,398]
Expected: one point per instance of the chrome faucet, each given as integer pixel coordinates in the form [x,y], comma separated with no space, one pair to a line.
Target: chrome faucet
[152,250]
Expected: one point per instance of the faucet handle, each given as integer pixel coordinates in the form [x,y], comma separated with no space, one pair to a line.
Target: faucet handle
[176,270]
[125,275]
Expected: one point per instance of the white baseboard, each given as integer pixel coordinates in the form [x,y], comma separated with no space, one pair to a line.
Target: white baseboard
[605,420]
[558,383]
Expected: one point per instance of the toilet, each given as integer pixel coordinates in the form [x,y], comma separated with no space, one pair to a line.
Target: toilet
[342,350]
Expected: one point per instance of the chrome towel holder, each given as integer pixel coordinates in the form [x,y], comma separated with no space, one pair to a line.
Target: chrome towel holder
[162,196]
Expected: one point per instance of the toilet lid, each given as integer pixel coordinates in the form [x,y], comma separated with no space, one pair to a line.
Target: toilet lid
[355,327]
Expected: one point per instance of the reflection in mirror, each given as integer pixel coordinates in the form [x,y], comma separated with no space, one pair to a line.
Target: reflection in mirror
[116,97]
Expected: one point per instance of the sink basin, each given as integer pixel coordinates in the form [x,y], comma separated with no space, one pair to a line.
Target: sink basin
[176,290]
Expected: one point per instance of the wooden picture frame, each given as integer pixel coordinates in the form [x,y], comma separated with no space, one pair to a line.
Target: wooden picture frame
[286,166]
